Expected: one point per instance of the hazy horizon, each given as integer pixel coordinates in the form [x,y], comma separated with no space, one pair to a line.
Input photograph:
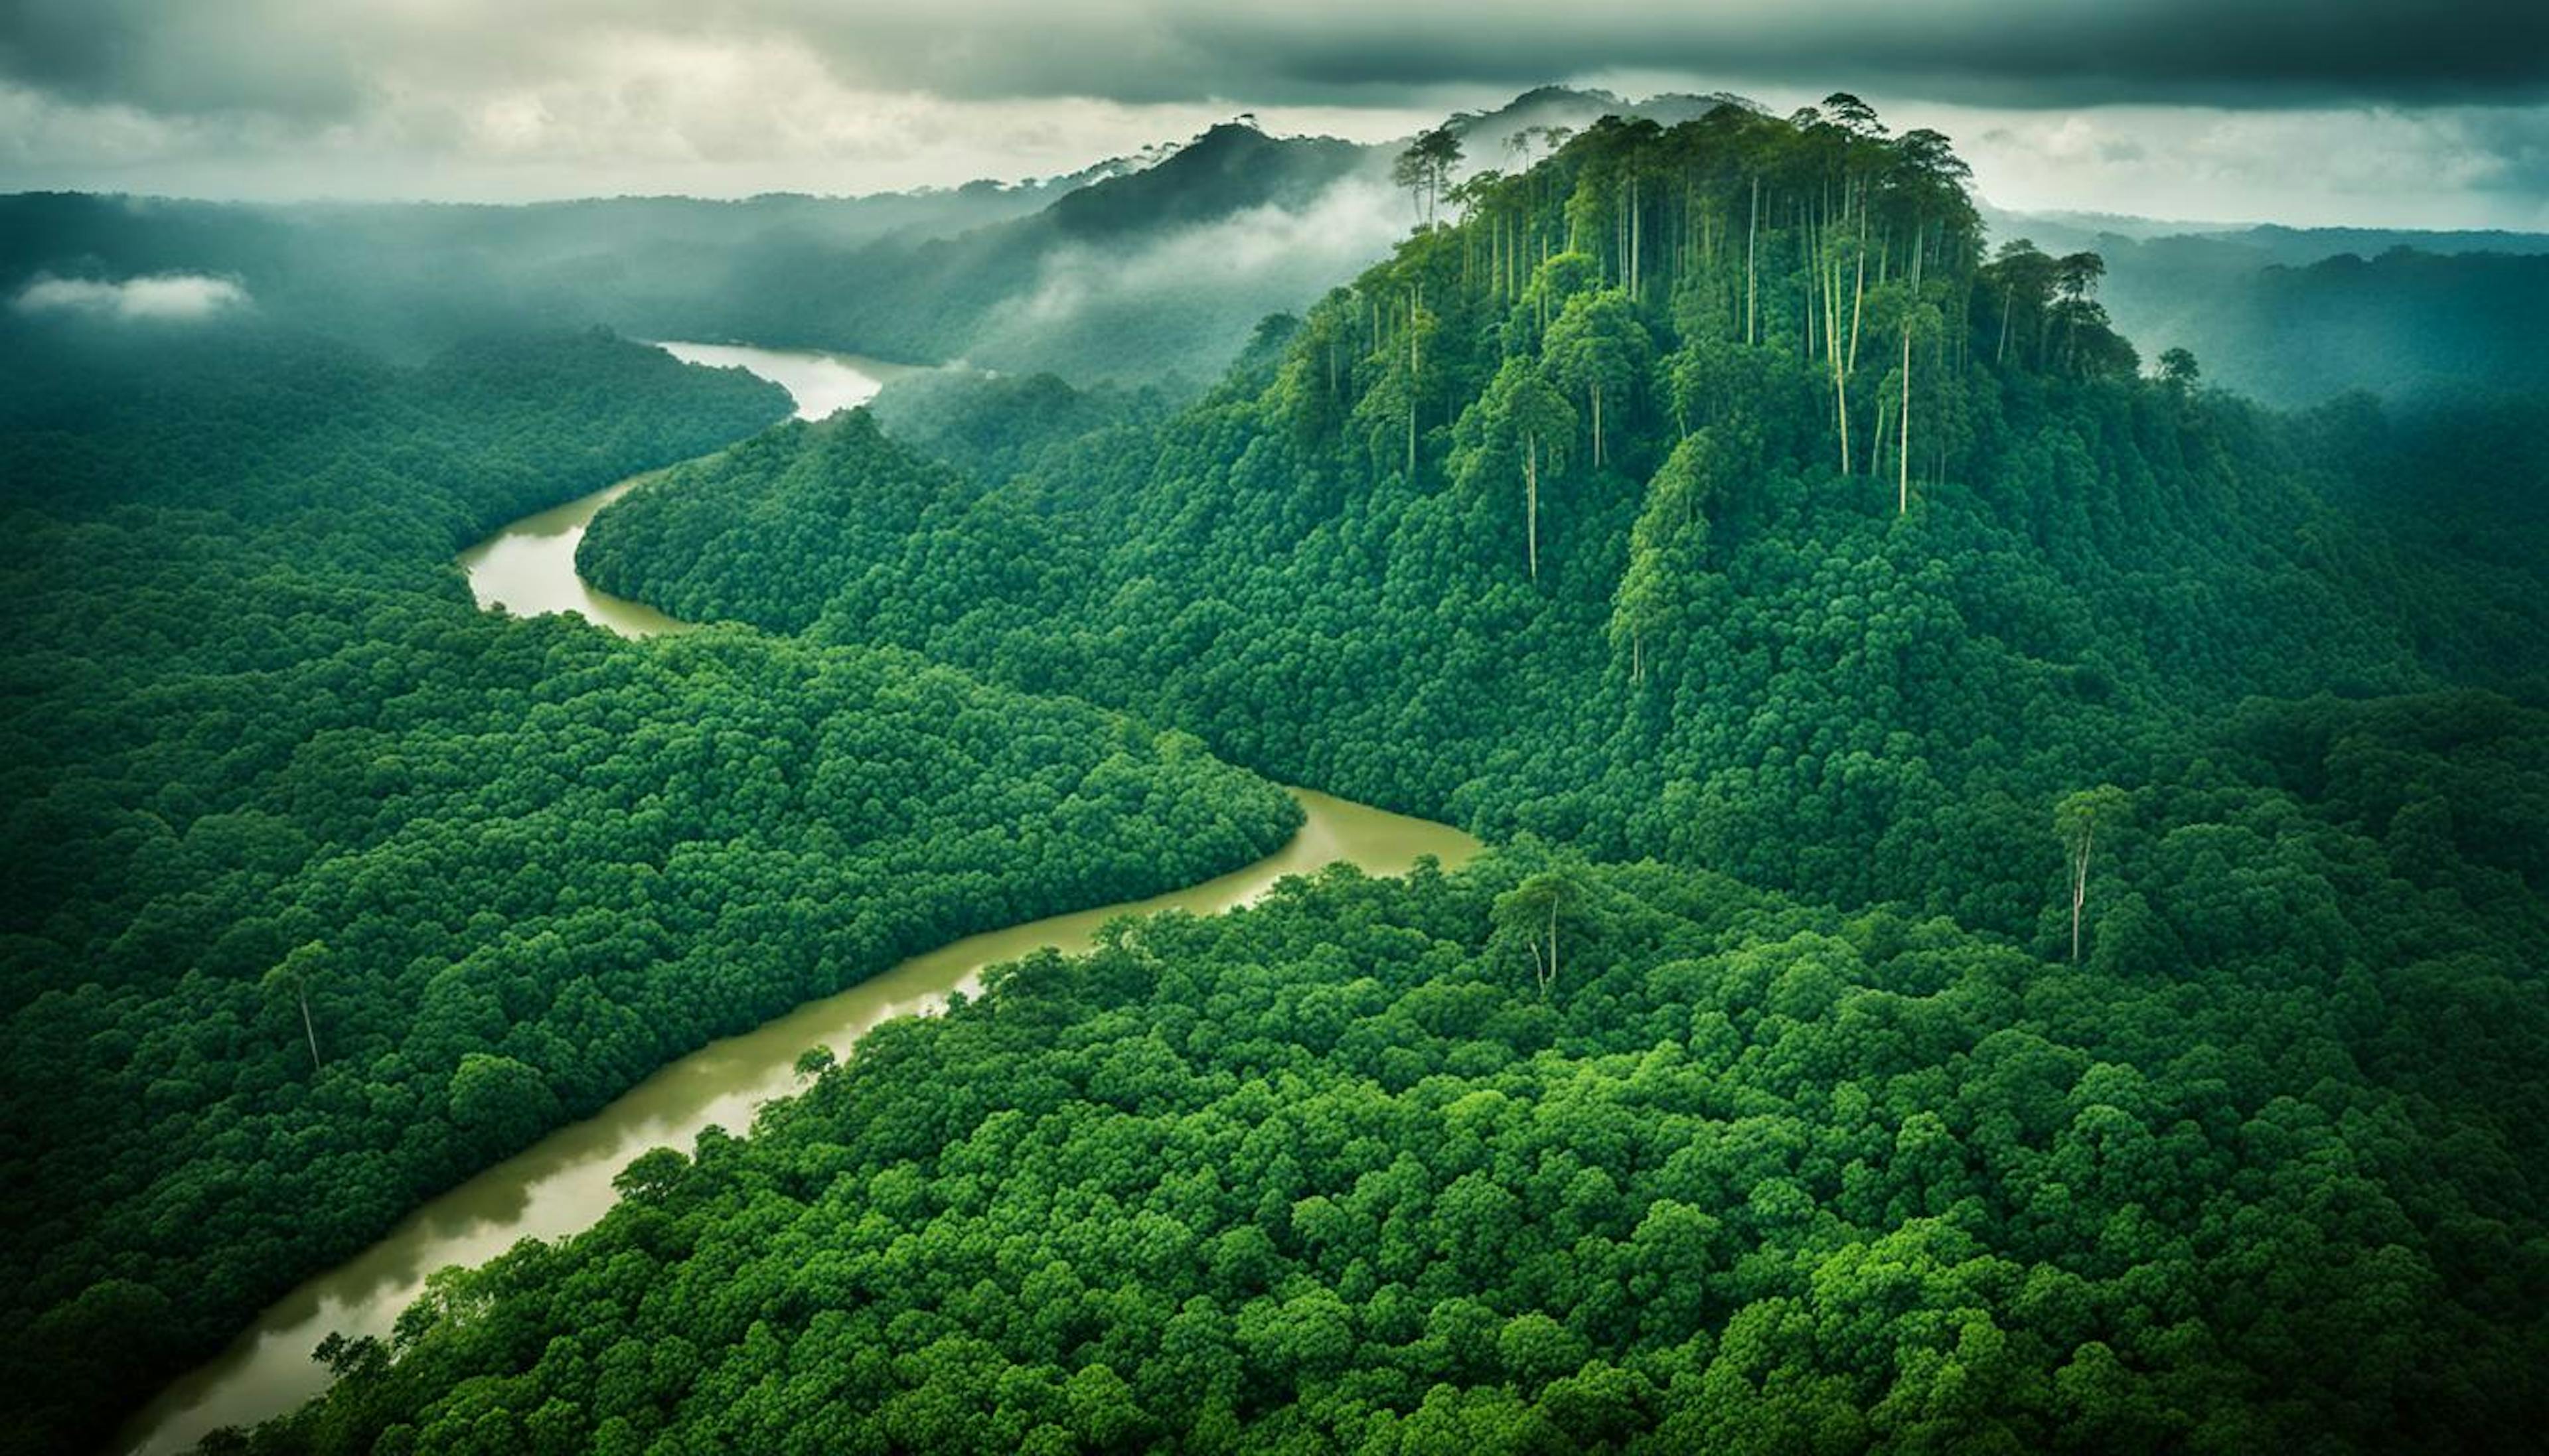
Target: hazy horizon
[2364,113]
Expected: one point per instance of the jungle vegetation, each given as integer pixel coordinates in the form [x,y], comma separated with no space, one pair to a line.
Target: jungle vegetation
[2014,920]
[2016,927]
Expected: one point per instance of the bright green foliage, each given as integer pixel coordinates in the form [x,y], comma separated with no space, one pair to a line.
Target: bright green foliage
[1749,1177]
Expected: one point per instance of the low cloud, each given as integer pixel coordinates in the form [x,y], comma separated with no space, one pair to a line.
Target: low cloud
[160,298]
[1348,226]
[1196,289]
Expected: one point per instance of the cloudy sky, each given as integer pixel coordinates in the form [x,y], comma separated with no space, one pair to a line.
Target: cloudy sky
[2304,111]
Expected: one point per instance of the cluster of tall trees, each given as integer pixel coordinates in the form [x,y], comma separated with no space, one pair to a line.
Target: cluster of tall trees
[327,889]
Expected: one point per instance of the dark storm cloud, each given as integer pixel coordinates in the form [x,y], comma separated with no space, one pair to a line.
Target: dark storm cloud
[2066,52]
[182,56]
[2326,109]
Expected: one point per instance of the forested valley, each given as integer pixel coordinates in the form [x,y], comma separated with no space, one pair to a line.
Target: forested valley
[2017,930]
[2013,920]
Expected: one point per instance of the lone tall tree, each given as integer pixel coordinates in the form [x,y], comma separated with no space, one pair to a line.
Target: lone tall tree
[2077,819]
[1532,912]
[299,971]
[1424,169]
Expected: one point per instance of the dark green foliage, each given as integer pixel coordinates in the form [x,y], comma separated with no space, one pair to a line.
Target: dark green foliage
[1329,1173]
[326,889]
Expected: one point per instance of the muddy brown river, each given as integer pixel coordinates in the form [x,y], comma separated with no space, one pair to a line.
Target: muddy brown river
[562,1184]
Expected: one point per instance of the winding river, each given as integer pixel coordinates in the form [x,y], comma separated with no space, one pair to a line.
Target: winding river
[562,1184]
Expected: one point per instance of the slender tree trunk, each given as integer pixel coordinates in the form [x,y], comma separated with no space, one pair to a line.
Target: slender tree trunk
[1551,977]
[1809,251]
[1902,448]
[2080,887]
[1530,500]
[1858,287]
[1903,477]
[1636,241]
[1596,388]
[1752,279]
[1840,408]
[1413,362]
[1828,271]
[309,1030]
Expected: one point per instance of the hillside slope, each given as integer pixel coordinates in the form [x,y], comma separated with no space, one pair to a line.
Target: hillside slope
[1381,556]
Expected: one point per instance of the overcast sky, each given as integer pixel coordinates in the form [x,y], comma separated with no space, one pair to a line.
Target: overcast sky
[2302,110]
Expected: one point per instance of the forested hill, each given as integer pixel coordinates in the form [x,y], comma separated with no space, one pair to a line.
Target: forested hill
[326,889]
[1147,275]
[2407,324]
[1592,516]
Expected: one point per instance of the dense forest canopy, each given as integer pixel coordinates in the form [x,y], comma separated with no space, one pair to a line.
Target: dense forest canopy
[1333,1173]
[2015,927]
[327,889]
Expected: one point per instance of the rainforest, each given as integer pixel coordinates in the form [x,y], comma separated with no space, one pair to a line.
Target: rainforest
[1603,775]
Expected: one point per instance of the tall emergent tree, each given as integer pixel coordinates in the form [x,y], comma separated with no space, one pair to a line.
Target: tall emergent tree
[306,965]
[2076,820]
[1424,169]
[1530,913]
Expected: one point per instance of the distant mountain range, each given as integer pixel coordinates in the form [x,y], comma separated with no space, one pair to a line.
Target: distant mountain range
[2294,316]
[1154,267]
